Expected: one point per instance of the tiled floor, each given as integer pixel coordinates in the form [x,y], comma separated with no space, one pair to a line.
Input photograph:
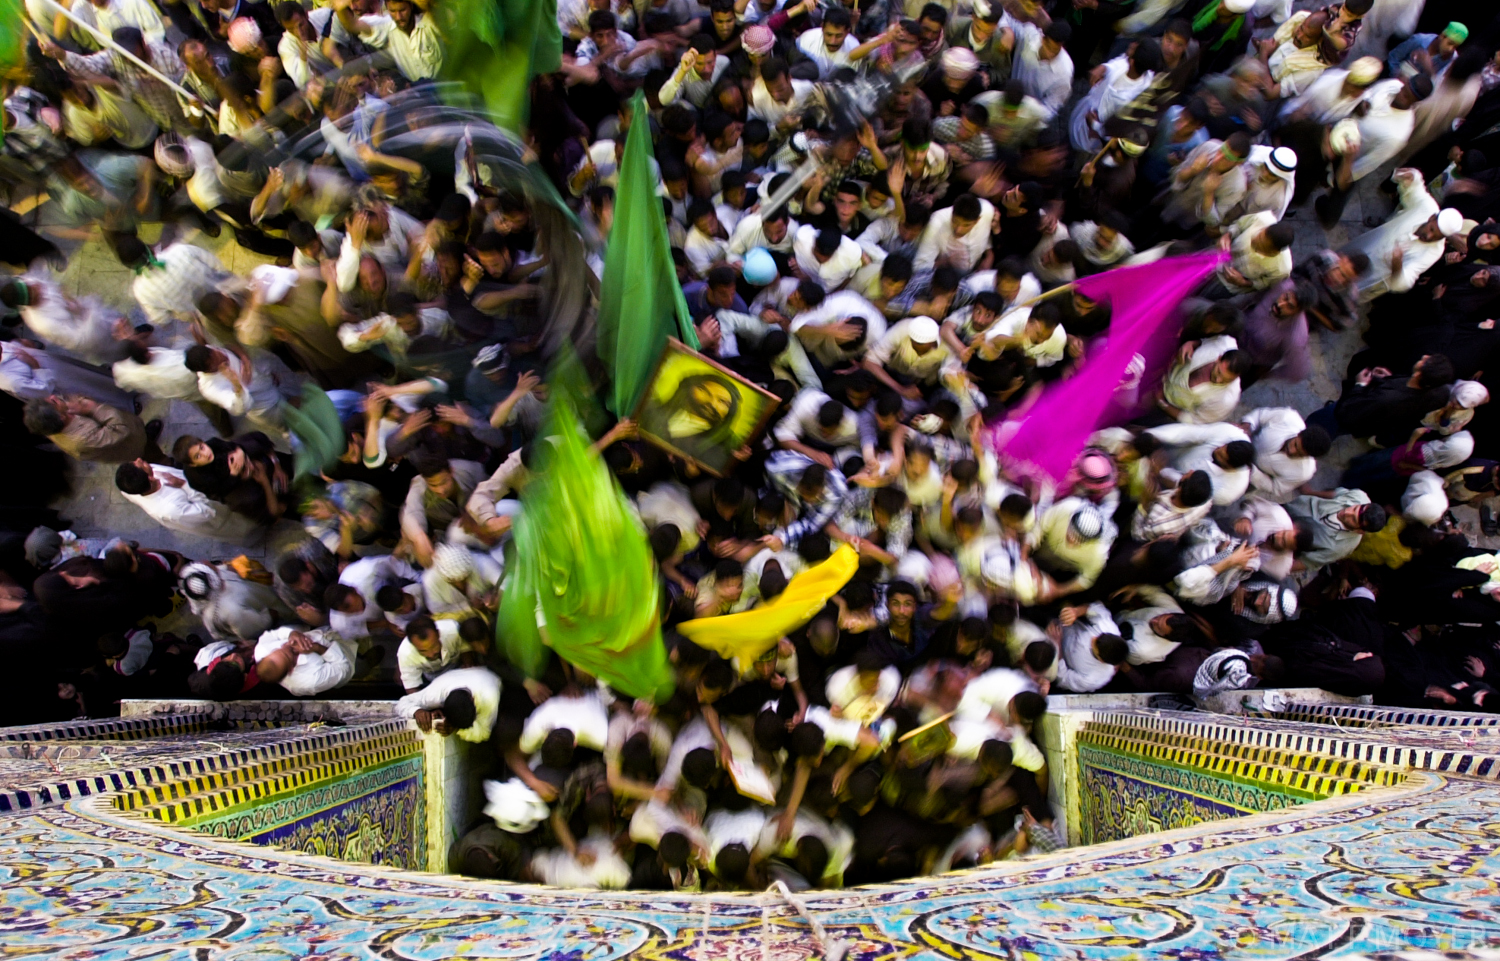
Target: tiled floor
[1404,868]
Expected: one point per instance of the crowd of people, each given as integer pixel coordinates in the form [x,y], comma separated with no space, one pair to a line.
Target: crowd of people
[911,294]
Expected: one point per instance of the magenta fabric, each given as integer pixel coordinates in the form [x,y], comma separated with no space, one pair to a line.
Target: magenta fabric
[1044,438]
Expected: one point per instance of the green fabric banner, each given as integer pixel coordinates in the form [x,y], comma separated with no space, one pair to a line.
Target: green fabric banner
[317,428]
[640,301]
[582,581]
[495,47]
[13,37]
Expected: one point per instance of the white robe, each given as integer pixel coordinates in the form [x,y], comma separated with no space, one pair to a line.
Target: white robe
[1105,99]
[82,327]
[1414,208]
[54,375]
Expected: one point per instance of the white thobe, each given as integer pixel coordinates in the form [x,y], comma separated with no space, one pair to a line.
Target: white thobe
[1195,445]
[481,684]
[1208,402]
[837,270]
[1276,474]
[187,510]
[1414,208]
[313,673]
[940,240]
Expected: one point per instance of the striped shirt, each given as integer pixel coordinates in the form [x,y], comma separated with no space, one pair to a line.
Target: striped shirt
[156,98]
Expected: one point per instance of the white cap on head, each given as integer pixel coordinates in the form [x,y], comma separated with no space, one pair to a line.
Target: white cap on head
[1280,161]
[960,63]
[759,267]
[1468,394]
[1365,71]
[452,562]
[1087,522]
[923,330]
[1238,6]
[1450,221]
[1344,138]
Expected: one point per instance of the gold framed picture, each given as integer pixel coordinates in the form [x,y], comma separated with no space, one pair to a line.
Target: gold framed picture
[702,410]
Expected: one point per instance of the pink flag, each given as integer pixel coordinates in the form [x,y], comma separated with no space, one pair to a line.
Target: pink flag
[1045,439]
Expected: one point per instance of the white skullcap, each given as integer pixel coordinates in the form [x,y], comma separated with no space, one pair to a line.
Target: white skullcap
[1450,221]
[1424,501]
[173,158]
[513,806]
[1238,6]
[1344,137]
[1468,394]
[452,563]
[998,569]
[923,330]
[1448,451]
[1087,522]
[960,63]
[244,36]
[944,573]
[1365,71]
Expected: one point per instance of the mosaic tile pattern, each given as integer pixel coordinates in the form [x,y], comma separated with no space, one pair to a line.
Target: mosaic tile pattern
[1455,751]
[1398,868]
[1375,715]
[188,760]
[122,728]
[1125,795]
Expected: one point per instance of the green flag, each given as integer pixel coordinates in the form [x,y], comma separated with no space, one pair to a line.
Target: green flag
[12,36]
[640,301]
[317,428]
[495,47]
[582,581]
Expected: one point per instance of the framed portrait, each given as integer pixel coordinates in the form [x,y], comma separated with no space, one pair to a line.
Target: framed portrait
[701,410]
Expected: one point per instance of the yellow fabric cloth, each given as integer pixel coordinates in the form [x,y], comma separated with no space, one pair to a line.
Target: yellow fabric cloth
[749,634]
[1383,548]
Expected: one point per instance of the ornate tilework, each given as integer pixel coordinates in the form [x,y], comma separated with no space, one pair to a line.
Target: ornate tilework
[376,815]
[1124,796]
[1408,867]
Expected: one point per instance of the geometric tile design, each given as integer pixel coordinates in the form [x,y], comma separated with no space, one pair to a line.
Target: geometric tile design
[1308,776]
[205,756]
[1376,716]
[1454,751]
[120,728]
[200,796]
[1413,867]
[1135,778]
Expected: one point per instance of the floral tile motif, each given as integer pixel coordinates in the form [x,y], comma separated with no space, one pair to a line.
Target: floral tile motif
[1125,796]
[377,816]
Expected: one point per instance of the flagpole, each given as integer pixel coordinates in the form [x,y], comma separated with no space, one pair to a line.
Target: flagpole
[1051,293]
[109,42]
